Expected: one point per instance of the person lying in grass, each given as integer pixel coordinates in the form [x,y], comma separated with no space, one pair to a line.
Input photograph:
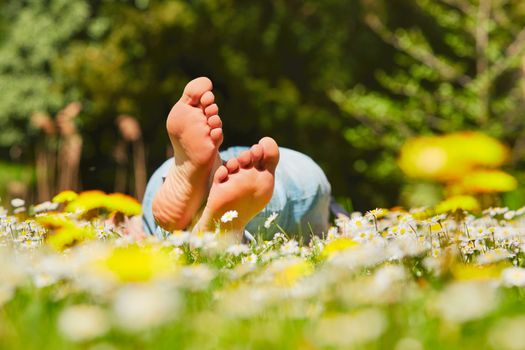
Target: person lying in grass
[255,181]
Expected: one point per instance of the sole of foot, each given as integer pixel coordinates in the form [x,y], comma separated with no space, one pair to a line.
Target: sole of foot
[195,131]
[244,184]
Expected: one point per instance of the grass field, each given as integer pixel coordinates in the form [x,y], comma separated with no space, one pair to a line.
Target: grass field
[406,280]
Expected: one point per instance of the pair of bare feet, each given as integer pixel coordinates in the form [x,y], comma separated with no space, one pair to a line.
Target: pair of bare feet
[244,184]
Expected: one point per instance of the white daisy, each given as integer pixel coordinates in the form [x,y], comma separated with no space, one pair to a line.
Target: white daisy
[229,215]
[17,202]
[513,276]
[270,219]
[238,249]
[250,259]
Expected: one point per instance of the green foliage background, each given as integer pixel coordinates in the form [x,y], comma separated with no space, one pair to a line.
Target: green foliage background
[344,81]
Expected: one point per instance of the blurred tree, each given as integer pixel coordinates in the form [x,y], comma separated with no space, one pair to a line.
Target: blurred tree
[457,67]
[131,135]
[45,155]
[272,64]
[32,35]
[70,150]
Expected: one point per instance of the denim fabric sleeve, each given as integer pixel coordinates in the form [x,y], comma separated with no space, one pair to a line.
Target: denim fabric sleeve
[154,183]
[301,198]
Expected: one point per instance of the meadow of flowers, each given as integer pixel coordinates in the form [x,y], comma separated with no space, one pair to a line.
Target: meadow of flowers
[73,275]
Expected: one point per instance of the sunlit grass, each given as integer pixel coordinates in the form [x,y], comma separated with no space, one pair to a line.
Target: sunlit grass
[384,280]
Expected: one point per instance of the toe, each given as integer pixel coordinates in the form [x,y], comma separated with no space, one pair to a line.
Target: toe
[270,153]
[232,165]
[195,89]
[207,99]
[214,122]
[257,152]
[245,159]
[221,174]
[211,110]
[217,136]
[257,155]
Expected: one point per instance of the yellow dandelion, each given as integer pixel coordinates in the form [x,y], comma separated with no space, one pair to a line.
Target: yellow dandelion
[487,181]
[119,202]
[450,157]
[64,197]
[115,202]
[292,273]
[86,201]
[477,148]
[455,203]
[54,221]
[430,158]
[134,263]
[464,272]
[337,245]
[69,236]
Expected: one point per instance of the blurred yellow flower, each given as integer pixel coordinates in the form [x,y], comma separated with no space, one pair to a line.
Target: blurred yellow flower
[463,272]
[125,204]
[337,245]
[54,221]
[423,214]
[63,232]
[115,202]
[64,197]
[68,236]
[86,201]
[430,158]
[452,204]
[290,274]
[450,157]
[134,263]
[487,181]
[478,149]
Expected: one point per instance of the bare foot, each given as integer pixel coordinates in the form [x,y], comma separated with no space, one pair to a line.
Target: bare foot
[195,133]
[244,184]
